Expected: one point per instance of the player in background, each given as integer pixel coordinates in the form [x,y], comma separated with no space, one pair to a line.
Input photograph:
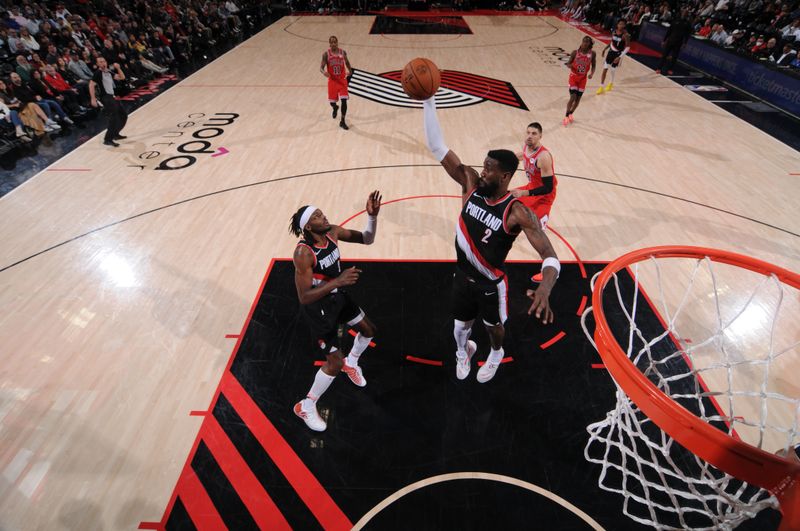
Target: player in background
[581,66]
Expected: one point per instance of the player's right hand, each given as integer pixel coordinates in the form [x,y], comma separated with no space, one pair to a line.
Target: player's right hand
[541,304]
[348,277]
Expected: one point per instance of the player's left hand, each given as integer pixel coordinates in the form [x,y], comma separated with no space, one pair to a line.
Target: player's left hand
[374,203]
[541,304]
[590,75]
[519,193]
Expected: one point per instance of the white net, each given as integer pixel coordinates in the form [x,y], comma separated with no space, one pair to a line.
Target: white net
[720,340]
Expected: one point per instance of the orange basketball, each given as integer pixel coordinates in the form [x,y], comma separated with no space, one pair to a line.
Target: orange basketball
[420,79]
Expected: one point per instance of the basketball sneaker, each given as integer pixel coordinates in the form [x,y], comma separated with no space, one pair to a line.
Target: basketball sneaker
[609,87]
[343,125]
[565,121]
[571,118]
[464,366]
[355,374]
[486,372]
[600,90]
[311,418]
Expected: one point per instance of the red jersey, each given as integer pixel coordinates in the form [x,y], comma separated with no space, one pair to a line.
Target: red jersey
[534,173]
[336,64]
[582,63]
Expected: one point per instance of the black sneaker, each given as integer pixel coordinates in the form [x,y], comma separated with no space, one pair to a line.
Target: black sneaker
[343,125]
[110,143]
[120,137]
[335,111]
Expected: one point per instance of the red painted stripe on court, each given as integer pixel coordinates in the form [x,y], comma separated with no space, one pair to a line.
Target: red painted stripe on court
[598,366]
[261,507]
[555,339]
[198,413]
[582,306]
[151,525]
[571,249]
[353,333]
[232,336]
[199,506]
[424,361]
[322,506]
[187,464]
[343,223]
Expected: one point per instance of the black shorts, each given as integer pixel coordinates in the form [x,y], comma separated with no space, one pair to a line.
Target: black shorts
[611,56]
[325,316]
[482,298]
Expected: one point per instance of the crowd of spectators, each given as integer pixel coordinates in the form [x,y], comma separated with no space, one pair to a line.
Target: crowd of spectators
[767,30]
[49,52]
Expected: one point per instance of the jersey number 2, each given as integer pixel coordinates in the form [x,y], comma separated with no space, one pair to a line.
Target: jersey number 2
[485,238]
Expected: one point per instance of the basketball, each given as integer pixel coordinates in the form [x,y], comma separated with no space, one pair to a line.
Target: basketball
[420,79]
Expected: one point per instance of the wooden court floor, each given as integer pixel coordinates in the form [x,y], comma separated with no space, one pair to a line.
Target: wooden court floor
[125,273]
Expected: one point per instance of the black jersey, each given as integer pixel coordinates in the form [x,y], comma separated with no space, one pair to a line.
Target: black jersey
[483,238]
[617,42]
[327,265]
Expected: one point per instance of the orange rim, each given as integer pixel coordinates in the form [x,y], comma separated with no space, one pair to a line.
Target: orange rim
[778,475]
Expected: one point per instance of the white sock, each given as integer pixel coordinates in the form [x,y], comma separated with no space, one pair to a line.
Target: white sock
[461,331]
[495,356]
[359,346]
[321,383]
[613,74]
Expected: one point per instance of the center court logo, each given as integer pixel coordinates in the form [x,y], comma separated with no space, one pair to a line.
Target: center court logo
[551,55]
[458,89]
[190,139]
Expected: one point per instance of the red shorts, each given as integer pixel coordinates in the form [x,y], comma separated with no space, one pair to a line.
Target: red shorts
[577,82]
[540,205]
[337,89]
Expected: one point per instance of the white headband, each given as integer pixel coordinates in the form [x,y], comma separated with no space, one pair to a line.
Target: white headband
[306,215]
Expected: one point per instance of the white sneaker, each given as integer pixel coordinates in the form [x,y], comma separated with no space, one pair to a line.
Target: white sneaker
[486,372]
[311,418]
[464,366]
[355,374]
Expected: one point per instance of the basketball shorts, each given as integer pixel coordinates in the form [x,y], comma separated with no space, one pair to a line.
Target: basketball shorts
[484,299]
[611,56]
[540,205]
[337,89]
[325,316]
[577,82]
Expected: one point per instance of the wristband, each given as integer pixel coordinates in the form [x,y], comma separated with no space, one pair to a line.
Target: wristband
[553,262]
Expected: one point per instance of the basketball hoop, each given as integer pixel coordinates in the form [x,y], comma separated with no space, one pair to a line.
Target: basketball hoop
[685,382]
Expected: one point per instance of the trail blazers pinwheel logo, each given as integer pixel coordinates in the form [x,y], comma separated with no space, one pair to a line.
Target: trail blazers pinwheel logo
[458,89]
